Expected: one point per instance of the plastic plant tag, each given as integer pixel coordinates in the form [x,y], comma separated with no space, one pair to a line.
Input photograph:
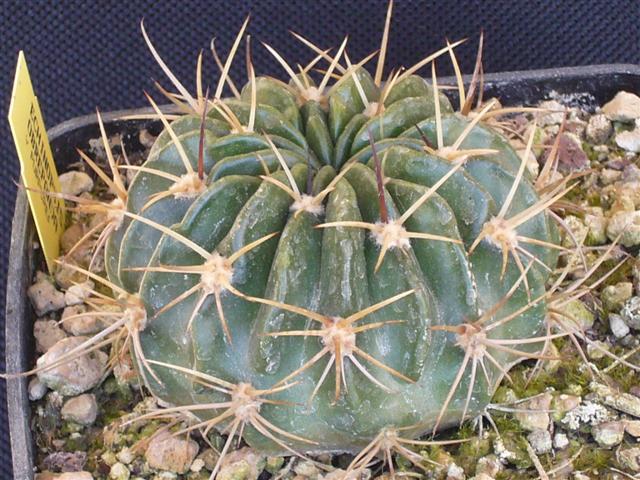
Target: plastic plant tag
[37,167]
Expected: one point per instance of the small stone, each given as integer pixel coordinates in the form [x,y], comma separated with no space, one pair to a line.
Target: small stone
[537,416]
[577,312]
[489,466]
[614,296]
[66,277]
[44,296]
[609,176]
[70,237]
[75,376]
[630,312]
[631,172]
[82,409]
[627,225]
[339,474]
[65,461]
[209,457]
[36,389]
[197,465]
[602,151]
[578,229]
[243,464]
[168,452]
[119,472]
[580,476]
[629,140]
[126,456]
[617,325]
[146,138]
[632,427]
[588,413]
[629,458]
[625,402]
[624,107]
[627,197]
[124,372]
[555,361]
[599,128]
[75,183]
[81,325]
[165,476]
[54,400]
[109,458]
[72,476]
[576,124]
[483,476]
[622,202]
[306,469]
[47,333]
[596,349]
[564,403]
[454,472]
[608,434]
[78,293]
[560,441]
[540,441]
[597,226]
[571,157]
[553,117]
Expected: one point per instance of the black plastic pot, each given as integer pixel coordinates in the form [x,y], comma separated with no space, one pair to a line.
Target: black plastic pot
[587,86]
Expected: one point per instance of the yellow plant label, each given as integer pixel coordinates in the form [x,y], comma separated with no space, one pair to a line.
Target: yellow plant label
[37,167]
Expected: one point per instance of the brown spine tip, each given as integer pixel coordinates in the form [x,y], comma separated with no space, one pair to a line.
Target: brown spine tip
[424,137]
[477,76]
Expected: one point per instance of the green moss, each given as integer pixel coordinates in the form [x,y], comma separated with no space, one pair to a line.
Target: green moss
[201,475]
[622,274]
[434,453]
[403,464]
[622,375]
[70,427]
[565,379]
[592,458]
[149,429]
[504,394]
[466,430]
[115,400]
[75,444]
[589,151]
[470,452]
[506,423]
[517,444]
[515,475]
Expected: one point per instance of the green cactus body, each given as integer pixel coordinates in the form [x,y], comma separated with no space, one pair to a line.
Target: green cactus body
[395,371]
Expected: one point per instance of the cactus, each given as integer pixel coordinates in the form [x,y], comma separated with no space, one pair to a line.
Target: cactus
[323,267]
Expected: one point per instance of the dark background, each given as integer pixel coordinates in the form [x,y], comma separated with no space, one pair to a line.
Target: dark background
[87,54]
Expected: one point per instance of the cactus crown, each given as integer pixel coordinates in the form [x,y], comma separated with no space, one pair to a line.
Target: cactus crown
[329,267]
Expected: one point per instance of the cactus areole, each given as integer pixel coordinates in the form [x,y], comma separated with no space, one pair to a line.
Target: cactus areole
[322,263]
